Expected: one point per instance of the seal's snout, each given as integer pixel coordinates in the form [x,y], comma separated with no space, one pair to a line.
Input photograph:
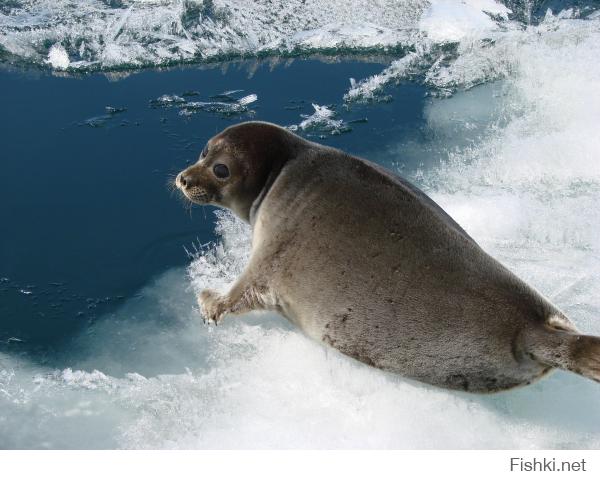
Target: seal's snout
[182,180]
[186,180]
[192,186]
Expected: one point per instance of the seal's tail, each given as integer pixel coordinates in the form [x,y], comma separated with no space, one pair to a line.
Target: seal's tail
[567,350]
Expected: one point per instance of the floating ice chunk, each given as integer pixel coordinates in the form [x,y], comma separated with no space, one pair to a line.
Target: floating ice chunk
[322,114]
[58,57]
[226,96]
[104,120]
[226,105]
[96,122]
[114,110]
[167,101]
[322,121]
[248,99]
[222,108]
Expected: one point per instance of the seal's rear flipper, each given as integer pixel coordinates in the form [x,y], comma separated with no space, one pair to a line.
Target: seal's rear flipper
[567,350]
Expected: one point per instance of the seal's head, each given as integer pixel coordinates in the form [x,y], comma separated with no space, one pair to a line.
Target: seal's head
[238,165]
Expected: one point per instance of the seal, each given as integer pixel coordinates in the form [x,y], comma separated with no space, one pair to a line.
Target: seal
[360,259]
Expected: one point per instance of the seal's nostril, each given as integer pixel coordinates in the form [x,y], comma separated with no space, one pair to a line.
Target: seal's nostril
[183,180]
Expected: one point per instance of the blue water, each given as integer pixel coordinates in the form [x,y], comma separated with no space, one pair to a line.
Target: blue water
[85,192]
[101,342]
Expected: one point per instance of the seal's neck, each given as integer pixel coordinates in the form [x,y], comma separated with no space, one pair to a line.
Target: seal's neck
[276,153]
[261,196]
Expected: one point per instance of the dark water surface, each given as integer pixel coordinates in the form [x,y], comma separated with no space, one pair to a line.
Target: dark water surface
[86,215]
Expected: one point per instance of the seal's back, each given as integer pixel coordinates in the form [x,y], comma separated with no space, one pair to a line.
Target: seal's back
[374,267]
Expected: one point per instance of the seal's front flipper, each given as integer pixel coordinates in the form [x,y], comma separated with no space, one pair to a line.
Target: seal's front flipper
[246,294]
[566,350]
[213,306]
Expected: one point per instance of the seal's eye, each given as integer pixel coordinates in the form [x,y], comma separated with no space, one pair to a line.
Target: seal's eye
[204,151]
[221,171]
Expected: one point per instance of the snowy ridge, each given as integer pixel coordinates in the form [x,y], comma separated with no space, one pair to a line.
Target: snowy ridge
[471,57]
[101,34]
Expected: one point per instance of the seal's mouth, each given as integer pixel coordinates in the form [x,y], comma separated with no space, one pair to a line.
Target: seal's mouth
[192,192]
[197,195]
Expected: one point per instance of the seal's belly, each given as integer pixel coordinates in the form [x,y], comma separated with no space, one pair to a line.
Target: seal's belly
[467,345]
[449,359]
